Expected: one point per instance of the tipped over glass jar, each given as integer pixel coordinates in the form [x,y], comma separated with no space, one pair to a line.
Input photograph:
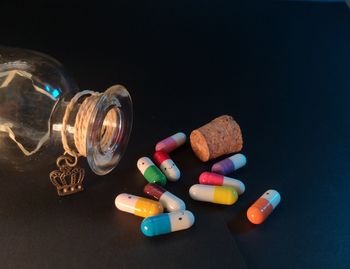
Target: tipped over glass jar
[44,117]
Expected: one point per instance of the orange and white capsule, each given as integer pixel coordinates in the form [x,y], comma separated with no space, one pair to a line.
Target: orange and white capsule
[138,206]
[263,207]
[171,143]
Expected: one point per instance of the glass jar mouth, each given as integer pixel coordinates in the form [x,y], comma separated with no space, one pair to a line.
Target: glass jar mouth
[109,129]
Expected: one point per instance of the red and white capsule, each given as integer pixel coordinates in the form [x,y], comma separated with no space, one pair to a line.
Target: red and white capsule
[208,178]
[171,143]
[167,165]
[168,200]
[263,207]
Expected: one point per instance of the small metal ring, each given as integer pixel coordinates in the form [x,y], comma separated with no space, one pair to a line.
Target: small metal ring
[70,160]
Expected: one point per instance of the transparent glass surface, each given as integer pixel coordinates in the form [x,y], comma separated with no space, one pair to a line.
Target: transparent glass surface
[34,93]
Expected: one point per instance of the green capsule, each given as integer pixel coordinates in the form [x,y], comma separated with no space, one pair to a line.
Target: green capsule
[150,171]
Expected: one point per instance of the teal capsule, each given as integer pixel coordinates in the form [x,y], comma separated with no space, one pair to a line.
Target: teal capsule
[150,171]
[167,223]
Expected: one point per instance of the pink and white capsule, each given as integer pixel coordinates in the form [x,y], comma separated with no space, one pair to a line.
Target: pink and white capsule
[208,178]
[171,143]
[167,165]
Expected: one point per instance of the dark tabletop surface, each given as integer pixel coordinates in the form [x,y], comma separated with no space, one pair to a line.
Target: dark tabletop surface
[280,68]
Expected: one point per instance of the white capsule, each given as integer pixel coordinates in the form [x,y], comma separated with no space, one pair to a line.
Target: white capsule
[237,184]
[138,206]
[150,171]
[209,178]
[171,143]
[166,165]
[143,163]
[168,200]
[225,195]
[229,164]
[180,220]
[171,202]
[263,207]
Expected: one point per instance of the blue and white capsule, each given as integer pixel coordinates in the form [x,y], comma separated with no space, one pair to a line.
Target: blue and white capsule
[167,223]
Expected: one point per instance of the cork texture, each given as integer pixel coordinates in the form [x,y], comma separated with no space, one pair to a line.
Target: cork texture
[219,137]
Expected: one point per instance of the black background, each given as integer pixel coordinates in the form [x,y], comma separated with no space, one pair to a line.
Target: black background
[280,68]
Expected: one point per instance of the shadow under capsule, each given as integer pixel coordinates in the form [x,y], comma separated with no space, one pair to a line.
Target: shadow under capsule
[240,224]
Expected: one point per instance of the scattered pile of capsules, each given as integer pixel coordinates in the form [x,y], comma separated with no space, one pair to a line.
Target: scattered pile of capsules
[213,187]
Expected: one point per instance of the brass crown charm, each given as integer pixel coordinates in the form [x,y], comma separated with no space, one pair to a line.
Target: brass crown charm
[69,177]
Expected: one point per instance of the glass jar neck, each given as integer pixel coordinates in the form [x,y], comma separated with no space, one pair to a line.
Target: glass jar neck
[95,125]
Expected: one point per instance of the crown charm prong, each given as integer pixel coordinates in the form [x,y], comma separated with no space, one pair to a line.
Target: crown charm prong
[69,177]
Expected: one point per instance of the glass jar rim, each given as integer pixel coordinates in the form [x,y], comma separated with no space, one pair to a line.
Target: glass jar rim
[104,159]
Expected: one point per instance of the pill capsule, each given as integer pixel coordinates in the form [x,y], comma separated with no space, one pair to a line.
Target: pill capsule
[138,206]
[167,165]
[171,143]
[150,171]
[168,200]
[208,178]
[263,207]
[215,194]
[167,223]
[230,164]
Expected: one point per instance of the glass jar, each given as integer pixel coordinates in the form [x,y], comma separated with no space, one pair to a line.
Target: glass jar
[43,115]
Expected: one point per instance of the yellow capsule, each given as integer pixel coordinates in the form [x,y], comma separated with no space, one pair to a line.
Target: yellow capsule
[224,195]
[138,206]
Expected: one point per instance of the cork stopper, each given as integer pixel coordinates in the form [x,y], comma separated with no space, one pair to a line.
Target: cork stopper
[219,137]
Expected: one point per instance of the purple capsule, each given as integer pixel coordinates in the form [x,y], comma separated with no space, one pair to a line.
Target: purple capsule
[229,164]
